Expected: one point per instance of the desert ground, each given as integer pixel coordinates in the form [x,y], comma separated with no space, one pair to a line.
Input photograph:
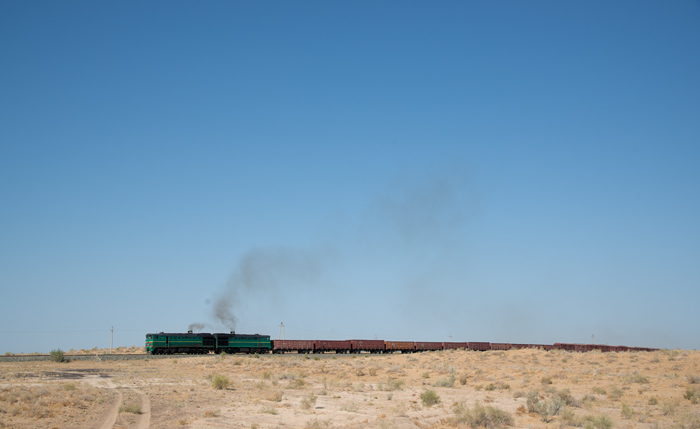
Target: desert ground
[523,388]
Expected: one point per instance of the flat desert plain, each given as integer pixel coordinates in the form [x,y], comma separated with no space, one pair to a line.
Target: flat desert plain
[523,388]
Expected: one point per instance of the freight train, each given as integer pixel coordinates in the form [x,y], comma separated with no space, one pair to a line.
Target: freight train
[201,343]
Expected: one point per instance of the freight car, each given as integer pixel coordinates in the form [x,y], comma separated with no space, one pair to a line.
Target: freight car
[399,346]
[201,343]
[299,346]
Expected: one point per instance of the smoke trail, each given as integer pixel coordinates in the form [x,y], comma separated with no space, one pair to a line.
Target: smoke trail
[223,311]
[196,327]
[263,272]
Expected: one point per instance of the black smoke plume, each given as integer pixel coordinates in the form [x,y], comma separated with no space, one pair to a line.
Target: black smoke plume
[261,273]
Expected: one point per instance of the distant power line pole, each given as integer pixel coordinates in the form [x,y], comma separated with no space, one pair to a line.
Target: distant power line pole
[111,340]
[280,334]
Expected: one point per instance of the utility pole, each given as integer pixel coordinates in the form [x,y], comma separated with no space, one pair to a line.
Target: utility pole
[111,340]
[280,334]
[593,339]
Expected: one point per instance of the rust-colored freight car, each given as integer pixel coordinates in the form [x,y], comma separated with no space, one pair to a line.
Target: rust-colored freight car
[520,346]
[400,346]
[427,346]
[480,346]
[300,346]
[501,346]
[338,346]
[372,346]
[454,346]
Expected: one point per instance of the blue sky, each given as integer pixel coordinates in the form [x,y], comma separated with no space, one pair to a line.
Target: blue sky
[480,171]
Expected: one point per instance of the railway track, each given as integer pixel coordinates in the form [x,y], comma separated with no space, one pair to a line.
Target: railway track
[95,357]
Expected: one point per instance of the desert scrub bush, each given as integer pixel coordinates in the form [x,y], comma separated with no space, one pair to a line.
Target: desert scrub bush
[587,401]
[426,374]
[445,382]
[309,401]
[568,398]
[627,412]
[297,383]
[547,409]
[599,422]
[480,416]
[615,393]
[693,395]
[269,409]
[569,418]
[533,398]
[499,385]
[653,401]
[212,413]
[637,378]
[693,379]
[220,382]
[350,407]
[668,408]
[600,391]
[391,384]
[56,355]
[317,424]
[463,379]
[546,380]
[130,408]
[429,398]
[274,396]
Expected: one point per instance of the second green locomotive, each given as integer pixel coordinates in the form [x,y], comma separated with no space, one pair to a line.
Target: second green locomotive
[202,343]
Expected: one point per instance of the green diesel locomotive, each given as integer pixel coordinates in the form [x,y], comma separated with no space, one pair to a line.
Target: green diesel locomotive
[202,343]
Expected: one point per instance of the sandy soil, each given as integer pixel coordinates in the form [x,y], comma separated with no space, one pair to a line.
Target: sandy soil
[526,388]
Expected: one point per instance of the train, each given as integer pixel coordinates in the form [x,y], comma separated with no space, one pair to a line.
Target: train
[230,343]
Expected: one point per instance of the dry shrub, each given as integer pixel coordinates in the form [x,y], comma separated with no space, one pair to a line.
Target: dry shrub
[297,384]
[627,412]
[615,393]
[392,384]
[637,378]
[350,407]
[598,422]
[430,398]
[693,395]
[220,382]
[56,355]
[480,416]
[269,409]
[317,424]
[668,408]
[130,408]
[309,401]
[274,396]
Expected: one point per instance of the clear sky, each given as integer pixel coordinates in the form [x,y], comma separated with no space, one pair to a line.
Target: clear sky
[477,171]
